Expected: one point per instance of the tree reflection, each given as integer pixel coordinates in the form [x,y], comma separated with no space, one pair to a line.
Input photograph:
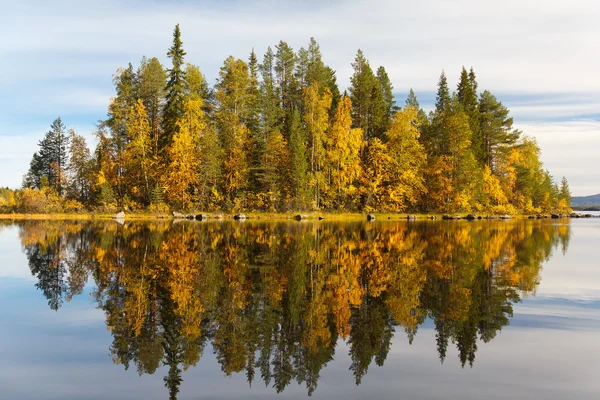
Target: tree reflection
[274,299]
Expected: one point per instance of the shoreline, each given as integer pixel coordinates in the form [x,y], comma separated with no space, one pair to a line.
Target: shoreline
[313,216]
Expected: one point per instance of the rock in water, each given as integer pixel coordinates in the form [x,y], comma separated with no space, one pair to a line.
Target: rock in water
[370,217]
[470,217]
[201,217]
[239,217]
[178,215]
[120,215]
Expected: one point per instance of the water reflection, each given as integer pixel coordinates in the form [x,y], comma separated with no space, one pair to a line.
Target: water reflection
[274,298]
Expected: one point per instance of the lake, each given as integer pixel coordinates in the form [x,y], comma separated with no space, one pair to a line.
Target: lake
[224,310]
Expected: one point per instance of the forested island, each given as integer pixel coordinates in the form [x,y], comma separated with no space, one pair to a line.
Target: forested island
[278,136]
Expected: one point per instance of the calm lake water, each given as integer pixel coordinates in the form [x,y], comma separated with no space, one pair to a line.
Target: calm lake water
[224,310]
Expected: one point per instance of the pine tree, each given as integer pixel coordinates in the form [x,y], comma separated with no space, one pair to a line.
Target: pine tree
[80,168]
[365,94]
[412,101]
[271,108]
[443,94]
[385,106]
[564,195]
[496,134]
[51,161]
[152,80]
[285,65]
[467,98]
[175,90]
[231,116]
[127,87]
[254,100]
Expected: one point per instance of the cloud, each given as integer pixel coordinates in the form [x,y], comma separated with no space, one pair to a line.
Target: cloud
[569,149]
[62,55]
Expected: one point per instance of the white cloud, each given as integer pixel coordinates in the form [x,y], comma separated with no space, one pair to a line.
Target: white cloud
[63,54]
[569,149]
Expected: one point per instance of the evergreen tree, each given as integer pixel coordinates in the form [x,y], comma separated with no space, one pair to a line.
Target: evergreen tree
[386,105]
[285,65]
[365,94]
[231,116]
[298,163]
[257,142]
[152,80]
[51,161]
[254,106]
[443,94]
[467,98]
[271,108]
[564,195]
[412,101]
[496,134]
[127,87]
[175,90]
[80,168]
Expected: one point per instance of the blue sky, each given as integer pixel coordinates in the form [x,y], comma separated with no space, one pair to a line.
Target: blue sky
[539,57]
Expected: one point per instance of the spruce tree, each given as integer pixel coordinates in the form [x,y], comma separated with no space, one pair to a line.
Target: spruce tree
[175,90]
[127,87]
[365,93]
[385,105]
[253,121]
[565,193]
[271,107]
[285,65]
[152,79]
[467,98]
[412,101]
[496,134]
[443,95]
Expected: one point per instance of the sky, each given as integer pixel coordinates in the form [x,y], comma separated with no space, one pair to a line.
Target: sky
[540,58]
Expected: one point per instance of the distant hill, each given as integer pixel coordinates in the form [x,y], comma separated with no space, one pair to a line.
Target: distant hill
[586,201]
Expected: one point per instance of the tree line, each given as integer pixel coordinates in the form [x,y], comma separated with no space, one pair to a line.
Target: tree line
[278,135]
[275,300]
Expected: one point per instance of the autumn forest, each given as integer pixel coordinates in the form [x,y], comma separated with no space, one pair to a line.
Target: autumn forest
[279,135]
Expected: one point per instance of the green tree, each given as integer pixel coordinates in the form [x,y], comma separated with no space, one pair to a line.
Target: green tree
[80,168]
[467,98]
[51,161]
[496,134]
[287,84]
[232,112]
[152,80]
[443,94]
[366,96]
[175,89]
[387,104]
